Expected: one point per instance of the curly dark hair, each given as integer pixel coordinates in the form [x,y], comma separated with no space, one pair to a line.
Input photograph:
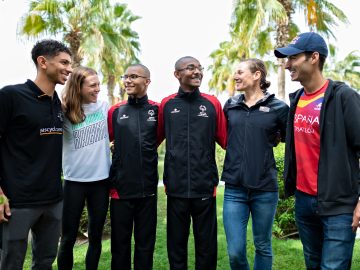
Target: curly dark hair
[48,47]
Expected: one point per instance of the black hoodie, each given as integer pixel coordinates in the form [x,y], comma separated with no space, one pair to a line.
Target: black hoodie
[338,171]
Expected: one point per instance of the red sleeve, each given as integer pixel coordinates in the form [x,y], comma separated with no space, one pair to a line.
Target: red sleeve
[154,103]
[109,119]
[160,127]
[221,122]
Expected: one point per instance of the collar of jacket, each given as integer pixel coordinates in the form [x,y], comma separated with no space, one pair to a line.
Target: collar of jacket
[238,100]
[188,95]
[333,85]
[137,101]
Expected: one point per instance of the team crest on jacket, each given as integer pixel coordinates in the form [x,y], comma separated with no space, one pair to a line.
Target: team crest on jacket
[151,114]
[202,112]
[124,116]
[175,110]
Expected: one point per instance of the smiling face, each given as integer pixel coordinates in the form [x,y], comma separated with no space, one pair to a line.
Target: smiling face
[57,68]
[300,67]
[90,89]
[244,78]
[136,81]
[189,72]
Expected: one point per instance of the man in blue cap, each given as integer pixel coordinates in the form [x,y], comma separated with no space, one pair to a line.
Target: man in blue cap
[322,156]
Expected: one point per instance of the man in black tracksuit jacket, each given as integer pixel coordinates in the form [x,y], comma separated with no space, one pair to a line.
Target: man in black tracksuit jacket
[191,122]
[133,175]
[323,128]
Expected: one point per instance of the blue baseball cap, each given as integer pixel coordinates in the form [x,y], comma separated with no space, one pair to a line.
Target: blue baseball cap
[305,42]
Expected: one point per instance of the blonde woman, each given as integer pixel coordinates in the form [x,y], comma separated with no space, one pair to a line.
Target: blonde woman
[86,163]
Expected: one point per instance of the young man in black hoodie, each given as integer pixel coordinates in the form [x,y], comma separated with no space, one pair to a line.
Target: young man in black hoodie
[322,156]
[30,160]
[191,122]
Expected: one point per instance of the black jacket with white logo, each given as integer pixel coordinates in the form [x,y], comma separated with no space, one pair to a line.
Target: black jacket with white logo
[191,123]
[252,134]
[133,126]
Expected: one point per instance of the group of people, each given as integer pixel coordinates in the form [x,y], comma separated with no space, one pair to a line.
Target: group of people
[42,136]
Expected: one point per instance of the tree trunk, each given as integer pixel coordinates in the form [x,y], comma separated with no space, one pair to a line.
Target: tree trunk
[281,78]
[111,87]
[282,38]
[74,40]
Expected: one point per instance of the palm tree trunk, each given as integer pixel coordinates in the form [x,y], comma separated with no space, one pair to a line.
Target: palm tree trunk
[281,78]
[282,37]
[111,87]
[74,40]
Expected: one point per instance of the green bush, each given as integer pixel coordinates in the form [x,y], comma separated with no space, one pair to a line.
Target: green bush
[284,225]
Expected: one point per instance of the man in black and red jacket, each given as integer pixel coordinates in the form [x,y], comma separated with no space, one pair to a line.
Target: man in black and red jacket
[133,175]
[191,122]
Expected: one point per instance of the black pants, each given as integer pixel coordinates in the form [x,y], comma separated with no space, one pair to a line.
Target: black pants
[127,214]
[96,196]
[203,214]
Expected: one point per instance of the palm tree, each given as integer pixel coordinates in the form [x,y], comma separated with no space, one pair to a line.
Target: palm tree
[255,21]
[250,28]
[320,16]
[120,51]
[347,70]
[95,30]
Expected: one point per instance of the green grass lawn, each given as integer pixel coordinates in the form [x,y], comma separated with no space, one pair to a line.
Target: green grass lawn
[287,253]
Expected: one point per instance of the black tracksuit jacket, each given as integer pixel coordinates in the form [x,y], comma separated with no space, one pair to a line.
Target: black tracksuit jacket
[133,127]
[338,169]
[191,123]
[252,134]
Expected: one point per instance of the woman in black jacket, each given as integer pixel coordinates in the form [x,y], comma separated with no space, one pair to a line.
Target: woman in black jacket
[256,123]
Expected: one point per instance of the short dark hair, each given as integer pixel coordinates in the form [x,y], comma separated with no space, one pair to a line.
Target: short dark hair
[143,67]
[48,47]
[322,59]
[179,62]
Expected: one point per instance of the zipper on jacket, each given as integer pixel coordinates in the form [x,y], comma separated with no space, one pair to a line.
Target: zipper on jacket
[245,132]
[140,152]
[188,141]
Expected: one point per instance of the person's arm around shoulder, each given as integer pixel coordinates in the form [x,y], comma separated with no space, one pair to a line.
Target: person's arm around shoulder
[221,124]
[4,207]
[283,119]
[110,123]
[161,125]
